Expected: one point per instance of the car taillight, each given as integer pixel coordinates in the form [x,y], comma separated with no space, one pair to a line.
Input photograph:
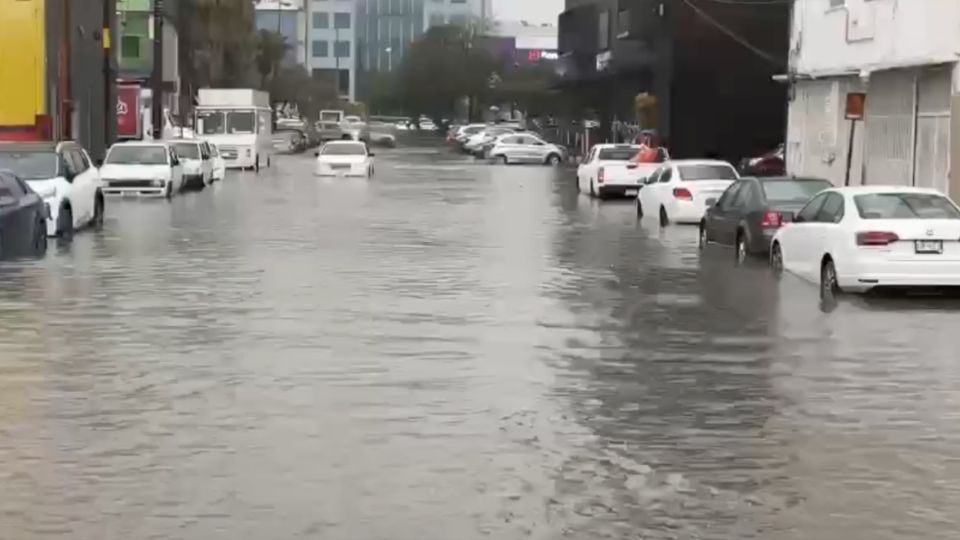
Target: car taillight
[682,193]
[600,175]
[876,238]
[772,220]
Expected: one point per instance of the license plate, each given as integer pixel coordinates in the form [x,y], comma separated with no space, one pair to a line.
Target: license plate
[928,246]
[630,192]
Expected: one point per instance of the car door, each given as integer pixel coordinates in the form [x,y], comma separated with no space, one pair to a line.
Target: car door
[176,169]
[823,230]
[720,216]
[11,226]
[586,170]
[647,192]
[84,186]
[662,188]
[206,163]
[538,149]
[795,242]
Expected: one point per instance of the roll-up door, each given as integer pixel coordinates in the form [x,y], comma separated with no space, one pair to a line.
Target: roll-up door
[889,128]
[933,128]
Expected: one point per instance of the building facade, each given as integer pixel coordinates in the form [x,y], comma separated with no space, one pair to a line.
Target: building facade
[287,18]
[904,57]
[333,43]
[699,72]
[134,50]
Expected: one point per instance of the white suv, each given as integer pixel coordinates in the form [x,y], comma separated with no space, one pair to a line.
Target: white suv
[61,173]
[526,148]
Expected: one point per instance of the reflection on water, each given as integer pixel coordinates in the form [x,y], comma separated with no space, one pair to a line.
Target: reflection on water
[455,350]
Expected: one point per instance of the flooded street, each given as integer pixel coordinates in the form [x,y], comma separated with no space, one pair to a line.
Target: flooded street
[456,351]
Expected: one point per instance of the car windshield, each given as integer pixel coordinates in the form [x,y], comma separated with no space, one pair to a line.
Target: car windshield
[343,150]
[30,165]
[707,172]
[241,122]
[473,130]
[624,153]
[133,155]
[905,206]
[187,150]
[210,122]
[789,190]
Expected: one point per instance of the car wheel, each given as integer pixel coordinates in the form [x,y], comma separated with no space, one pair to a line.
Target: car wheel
[702,238]
[168,194]
[40,237]
[639,209]
[829,289]
[65,223]
[740,251]
[98,210]
[664,219]
[256,164]
[504,159]
[776,260]
[578,185]
[553,160]
[593,191]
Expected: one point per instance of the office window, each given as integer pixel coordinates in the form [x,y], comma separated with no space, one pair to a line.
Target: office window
[603,30]
[341,20]
[320,49]
[130,46]
[341,49]
[321,20]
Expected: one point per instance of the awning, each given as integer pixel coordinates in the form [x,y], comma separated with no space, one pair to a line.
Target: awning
[865,70]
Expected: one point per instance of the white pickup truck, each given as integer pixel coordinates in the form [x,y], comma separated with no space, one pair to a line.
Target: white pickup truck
[609,170]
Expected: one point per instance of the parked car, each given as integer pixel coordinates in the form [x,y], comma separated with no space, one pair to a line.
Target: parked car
[681,190]
[479,143]
[853,239]
[381,134]
[329,131]
[142,168]
[63,176]
[526,148]
[751,210]
[606,171]
[772,163]
[289,141]
[219,164]
[197,163]
[23,218]
[467,131]
[344,158]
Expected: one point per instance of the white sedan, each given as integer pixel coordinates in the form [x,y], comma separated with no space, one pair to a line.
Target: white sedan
[680,191]
[141,168]
[344,158]
[857,238]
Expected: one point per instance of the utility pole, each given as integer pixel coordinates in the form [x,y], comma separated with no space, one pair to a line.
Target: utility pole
[156,77]
[109,80]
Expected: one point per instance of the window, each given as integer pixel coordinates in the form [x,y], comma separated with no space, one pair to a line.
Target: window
[603,30]
[341,20]
[320,49]
[210,122]
[730,195]
[832,209]
[793,191]
[707,172]
[241,122]
[137,155]
[743,197]
[80,160]
[204,151]
[510,140]
[341,49]
[809,212]
[30,165]
[321,20]
[667,175]
[187,150]
[905,206]
[130,47]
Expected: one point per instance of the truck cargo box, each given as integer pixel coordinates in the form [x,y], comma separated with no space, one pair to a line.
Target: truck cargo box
[232,97]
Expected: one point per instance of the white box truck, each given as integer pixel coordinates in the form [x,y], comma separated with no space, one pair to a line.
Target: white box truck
[240,122]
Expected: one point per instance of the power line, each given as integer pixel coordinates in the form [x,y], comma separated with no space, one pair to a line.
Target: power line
[733,35]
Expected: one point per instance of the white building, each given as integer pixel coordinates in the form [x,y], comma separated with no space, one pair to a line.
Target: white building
[332,36]
[285,17]
[903,54]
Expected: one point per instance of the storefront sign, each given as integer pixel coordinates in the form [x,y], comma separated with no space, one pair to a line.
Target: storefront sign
[128,111]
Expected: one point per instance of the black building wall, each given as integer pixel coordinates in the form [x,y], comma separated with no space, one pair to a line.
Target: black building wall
[91,70]
[723,98]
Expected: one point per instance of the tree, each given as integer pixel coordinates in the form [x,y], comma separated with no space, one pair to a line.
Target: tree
[217,42]
[442,67]
[271,49]
[292,84]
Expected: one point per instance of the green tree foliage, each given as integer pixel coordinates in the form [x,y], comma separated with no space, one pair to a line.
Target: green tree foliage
[271,48]
[442,67]
[292,84]
[217,42]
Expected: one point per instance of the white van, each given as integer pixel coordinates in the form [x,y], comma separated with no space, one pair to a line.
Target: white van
[240,123]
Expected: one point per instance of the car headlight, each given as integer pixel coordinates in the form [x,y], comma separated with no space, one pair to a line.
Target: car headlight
[160,181]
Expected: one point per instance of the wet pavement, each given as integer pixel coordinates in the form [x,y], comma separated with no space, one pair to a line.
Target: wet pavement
[456,351]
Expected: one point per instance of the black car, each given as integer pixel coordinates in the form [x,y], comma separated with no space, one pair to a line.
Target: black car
[751,210]
[23,218]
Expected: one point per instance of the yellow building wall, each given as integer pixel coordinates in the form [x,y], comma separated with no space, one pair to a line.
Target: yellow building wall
[22,61]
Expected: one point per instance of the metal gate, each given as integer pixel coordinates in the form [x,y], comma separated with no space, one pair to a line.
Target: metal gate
[932,156]
[890,128]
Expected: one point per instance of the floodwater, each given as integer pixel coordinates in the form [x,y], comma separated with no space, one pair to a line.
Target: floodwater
[456,351]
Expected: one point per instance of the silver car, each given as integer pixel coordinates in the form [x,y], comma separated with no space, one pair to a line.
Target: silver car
[526,148]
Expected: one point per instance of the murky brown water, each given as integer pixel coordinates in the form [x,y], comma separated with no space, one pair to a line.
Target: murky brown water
[456,351]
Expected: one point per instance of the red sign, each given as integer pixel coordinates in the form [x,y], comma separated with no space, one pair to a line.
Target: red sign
[128,111]
[855,106]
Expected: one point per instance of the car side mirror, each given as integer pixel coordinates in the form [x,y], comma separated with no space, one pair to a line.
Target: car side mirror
[317,153]
[98,162]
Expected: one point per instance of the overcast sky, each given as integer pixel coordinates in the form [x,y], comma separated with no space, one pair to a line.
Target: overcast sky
[536,11]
